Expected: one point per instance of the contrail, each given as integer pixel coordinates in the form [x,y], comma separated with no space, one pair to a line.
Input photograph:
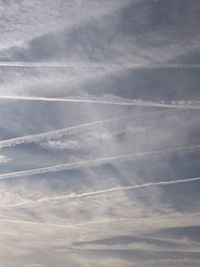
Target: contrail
[114,189]
[54,134]
[115,101]
[106,191]
[95,162]
[77,129]
[72,227]
[79,226]
[101,65]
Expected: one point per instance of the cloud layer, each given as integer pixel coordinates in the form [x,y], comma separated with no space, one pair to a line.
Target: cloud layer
[99,133]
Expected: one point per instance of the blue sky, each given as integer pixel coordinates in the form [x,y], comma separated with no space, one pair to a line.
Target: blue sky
[99,133]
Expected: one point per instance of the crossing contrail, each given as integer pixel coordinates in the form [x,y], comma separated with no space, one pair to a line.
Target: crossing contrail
[88,65]
[94,162]
[109,101]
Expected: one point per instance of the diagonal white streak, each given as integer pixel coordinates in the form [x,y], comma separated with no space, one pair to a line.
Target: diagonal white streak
[109,190]
[114,189]
[95,162]
[114,101]
[54,134]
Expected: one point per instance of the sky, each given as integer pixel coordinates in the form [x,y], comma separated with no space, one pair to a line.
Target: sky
[99,133]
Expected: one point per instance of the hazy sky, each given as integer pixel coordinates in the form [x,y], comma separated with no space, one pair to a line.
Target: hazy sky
[99,133]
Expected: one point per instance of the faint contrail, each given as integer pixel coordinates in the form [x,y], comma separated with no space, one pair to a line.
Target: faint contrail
[109,101]
[80,226]
[172,220]
[75,226]
[72,227]
[101,65]
[95,162]
[54,134]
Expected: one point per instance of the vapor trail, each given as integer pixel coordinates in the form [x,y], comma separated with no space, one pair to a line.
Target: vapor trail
[106,191]
[79,226]
[100,65]
[95,162]
[114,189]
[54,134]
[40,224]
[109,101]
[78,128]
